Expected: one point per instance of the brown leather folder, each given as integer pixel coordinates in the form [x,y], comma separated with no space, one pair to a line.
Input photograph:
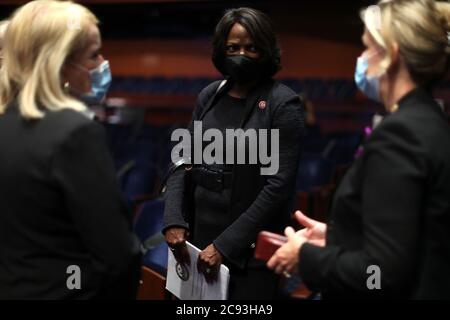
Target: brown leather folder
[267,244]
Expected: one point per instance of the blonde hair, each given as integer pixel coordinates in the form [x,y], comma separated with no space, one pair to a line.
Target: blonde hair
[39,39]
[3,26]
[421,29]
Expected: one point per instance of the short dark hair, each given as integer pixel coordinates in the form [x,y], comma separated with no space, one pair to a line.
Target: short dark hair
[260,28]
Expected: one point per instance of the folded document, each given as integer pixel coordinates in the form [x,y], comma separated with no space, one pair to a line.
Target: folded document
[186,283]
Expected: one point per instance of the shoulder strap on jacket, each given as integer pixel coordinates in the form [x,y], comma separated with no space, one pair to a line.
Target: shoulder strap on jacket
[221,85]
[211,98]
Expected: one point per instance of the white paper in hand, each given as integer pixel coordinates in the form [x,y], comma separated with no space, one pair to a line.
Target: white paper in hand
[187,284]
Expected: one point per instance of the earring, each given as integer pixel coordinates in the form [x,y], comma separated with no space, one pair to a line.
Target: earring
[66,87]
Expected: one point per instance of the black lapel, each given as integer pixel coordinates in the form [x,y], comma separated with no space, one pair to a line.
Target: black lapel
[261,93]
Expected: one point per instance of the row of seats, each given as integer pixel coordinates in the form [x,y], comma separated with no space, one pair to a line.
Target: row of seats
[332,89]
[142,157]
[324,161]
[316,88]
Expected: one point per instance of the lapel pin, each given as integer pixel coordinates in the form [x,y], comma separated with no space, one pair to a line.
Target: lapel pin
[262,105]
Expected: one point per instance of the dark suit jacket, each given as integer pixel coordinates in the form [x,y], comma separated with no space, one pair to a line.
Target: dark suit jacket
[392,210]
[60,206]
[257,202]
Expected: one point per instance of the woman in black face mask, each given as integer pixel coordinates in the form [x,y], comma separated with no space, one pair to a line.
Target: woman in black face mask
[234,200]
[243,60]
[245,50]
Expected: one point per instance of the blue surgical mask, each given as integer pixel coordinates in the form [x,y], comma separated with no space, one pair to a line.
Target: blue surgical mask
[100,82]
[369,85]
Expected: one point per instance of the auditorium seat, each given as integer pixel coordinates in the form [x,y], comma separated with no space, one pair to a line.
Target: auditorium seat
[152,286]
[148,223]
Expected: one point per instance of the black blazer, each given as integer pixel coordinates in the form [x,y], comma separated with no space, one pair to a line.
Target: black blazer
[60,206]
[391,210]
[257,202]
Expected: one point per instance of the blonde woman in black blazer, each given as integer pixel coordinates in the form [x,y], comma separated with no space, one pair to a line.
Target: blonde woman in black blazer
[389,230]
[64,231]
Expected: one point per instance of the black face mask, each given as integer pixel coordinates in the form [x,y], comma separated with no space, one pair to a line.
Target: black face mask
[243,69]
